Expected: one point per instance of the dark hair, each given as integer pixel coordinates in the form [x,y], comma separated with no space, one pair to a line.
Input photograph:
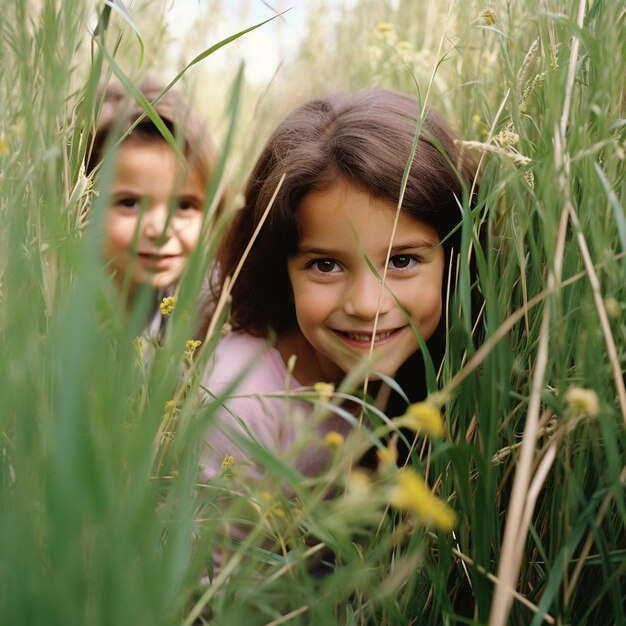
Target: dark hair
[120,112]
[365,138]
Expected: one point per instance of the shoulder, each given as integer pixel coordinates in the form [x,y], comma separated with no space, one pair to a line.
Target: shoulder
[245,385]
[250,360]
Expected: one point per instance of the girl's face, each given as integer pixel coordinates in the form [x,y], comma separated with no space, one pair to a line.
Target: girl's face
[336,281]
[154,220]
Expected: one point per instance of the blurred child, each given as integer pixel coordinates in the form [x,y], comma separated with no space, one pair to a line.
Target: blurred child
[156,212]
[337,273]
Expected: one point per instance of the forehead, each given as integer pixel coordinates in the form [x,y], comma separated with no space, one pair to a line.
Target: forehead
[344,214]
[154,165]
[139,143]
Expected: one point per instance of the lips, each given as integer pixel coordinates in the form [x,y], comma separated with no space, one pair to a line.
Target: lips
[368,337]
[156,260]
[364,338]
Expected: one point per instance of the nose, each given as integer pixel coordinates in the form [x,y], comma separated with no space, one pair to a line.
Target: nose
[363,297]
[155,224]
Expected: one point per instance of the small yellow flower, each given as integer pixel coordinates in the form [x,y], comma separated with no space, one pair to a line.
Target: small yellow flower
[384,27]
[333,439]
[358,485]
[279,512]
[266,496]
[324,390]
[582,401]
[167,305]
[228,461]
[487,17]
[388,457]
[422,416]
[405,45]
[170,406]
[412,494]
[191,346]
[476,118]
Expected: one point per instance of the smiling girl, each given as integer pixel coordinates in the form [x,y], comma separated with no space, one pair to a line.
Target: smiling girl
[337,274]
[156,212]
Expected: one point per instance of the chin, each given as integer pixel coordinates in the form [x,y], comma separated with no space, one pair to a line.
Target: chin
[163,282]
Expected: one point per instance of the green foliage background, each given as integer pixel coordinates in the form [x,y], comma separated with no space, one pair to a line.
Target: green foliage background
[102,518]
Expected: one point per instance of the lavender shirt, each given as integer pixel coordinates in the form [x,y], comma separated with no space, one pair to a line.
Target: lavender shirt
[280,424]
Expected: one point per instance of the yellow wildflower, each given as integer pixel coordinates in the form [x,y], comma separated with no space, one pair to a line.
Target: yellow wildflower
[384,27]
[422,416]
[388,457]
[324,390]
[405,45]
[487,17]
[333,439]
[228,461]
[412,494]
[191,346]
[582,401]
[358,485]
[167,305]
[170,406]
[266,496]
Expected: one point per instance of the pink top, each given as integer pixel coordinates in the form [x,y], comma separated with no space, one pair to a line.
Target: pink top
[281,424]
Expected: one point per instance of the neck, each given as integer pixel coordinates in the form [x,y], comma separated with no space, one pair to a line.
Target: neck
[310,367]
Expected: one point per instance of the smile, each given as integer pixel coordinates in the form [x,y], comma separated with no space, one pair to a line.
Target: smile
[363,338]
[155,259]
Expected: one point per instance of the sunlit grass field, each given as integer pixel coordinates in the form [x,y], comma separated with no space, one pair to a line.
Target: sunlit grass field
[103,519]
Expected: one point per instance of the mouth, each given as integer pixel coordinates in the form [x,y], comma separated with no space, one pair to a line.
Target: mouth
[155,259]
[363,339]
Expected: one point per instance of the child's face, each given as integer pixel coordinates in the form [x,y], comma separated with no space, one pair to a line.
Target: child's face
[336,293]
[141,201]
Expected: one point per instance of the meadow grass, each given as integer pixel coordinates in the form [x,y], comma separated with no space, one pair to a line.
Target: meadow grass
[103,518]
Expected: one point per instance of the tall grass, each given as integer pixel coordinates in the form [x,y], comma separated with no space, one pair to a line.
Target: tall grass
[103,519]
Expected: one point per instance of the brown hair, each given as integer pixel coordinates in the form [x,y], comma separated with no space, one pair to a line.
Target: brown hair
[365,138]
[120,112]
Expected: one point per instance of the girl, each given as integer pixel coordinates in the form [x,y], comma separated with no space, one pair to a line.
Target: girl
[156,212]
[336,273]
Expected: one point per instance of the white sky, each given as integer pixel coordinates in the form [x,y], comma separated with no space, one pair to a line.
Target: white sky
[262,49]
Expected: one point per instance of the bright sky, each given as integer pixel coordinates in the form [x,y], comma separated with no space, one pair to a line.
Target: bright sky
[262,49]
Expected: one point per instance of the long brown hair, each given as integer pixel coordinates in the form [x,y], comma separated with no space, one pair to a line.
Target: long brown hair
[367,139]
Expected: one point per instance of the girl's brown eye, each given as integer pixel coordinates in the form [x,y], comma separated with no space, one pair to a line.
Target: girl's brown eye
[127,203]
[324,266]
[402,261]
[189,205]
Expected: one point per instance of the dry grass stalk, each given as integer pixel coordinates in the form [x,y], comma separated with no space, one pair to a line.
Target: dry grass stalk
[604,318]
[518,519]
[518,596]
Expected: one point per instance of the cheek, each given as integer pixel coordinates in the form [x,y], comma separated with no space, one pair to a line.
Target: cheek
[189,233]
[311,304]
[118,231]
[428,309]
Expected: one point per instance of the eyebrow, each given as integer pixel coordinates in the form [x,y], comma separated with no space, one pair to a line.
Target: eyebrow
[396,249]
[412,245]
